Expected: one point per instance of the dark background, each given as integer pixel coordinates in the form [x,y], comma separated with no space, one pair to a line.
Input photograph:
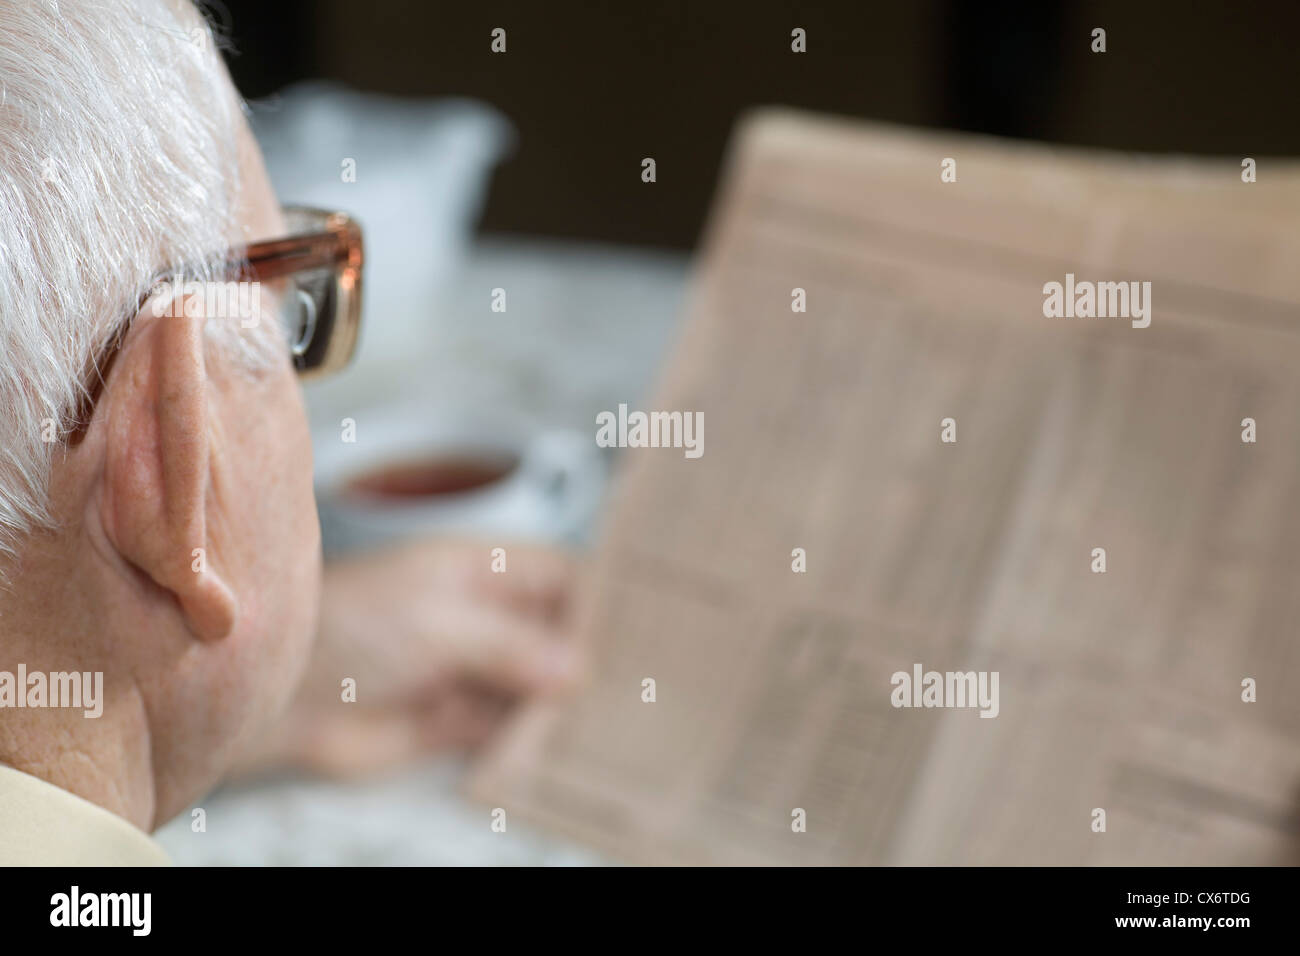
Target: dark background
[594,87]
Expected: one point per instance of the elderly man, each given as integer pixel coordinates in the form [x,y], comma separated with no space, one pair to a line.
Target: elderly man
[158,535]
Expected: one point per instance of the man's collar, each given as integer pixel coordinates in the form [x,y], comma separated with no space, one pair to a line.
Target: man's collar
[41,825]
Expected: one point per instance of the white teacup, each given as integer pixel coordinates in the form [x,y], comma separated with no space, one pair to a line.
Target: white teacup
[404,477]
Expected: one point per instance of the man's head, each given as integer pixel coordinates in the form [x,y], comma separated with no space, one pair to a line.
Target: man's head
[175,547]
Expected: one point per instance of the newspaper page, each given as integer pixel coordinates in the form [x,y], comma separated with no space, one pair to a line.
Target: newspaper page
[933,468]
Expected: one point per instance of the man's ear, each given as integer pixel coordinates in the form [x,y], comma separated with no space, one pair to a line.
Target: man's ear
[157,448]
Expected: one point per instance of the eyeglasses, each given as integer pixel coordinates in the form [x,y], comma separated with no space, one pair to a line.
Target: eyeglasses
[313,275]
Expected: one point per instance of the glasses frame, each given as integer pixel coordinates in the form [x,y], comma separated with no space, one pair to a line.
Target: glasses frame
[331,240]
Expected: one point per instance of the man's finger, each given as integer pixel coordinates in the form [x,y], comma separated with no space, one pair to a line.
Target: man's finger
[509,651]
[536,581]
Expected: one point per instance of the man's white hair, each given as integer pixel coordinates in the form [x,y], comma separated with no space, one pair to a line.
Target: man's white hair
[118,157]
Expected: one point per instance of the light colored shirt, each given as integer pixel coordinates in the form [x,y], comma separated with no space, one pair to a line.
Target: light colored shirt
[41,825]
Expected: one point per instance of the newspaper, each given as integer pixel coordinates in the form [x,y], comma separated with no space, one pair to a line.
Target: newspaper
[773,736]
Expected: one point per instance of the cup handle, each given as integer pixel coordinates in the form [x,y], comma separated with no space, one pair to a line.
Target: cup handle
[567,473]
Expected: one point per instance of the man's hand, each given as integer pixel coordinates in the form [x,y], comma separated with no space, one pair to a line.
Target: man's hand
[440,647]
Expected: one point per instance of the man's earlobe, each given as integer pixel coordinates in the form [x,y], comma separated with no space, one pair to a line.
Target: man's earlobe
[156,474]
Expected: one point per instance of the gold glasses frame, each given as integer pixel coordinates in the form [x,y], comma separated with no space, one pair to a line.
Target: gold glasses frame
[322,256]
